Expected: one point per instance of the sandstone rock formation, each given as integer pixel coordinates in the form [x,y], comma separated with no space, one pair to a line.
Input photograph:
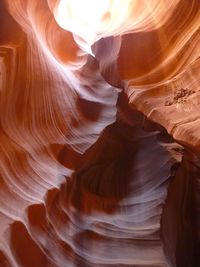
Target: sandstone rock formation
[100,133]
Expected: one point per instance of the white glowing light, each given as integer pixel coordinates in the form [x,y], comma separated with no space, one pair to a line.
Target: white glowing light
[90,20]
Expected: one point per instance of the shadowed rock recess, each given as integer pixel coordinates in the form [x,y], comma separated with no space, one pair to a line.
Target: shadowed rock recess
[99,133]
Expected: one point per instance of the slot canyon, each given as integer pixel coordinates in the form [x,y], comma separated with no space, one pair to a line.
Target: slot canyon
[100,133]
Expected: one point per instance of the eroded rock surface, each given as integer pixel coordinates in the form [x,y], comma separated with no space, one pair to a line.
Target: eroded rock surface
[100,133]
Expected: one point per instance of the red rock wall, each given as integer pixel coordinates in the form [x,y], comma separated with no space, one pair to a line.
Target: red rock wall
[100,133]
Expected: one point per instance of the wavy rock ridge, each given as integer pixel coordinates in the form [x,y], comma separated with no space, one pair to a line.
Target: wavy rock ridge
[99,140]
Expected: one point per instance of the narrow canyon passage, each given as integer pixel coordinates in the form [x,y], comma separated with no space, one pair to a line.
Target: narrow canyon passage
[100,133]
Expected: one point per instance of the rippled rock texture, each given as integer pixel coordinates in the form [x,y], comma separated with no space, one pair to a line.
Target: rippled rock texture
[100,133]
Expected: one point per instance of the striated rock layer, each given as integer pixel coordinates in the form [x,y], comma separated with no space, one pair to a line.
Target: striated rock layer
[100,133]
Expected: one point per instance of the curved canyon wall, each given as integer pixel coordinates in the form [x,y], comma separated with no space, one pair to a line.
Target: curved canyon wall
[100,133]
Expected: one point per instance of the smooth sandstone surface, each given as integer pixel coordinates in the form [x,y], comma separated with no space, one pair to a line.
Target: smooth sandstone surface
[99,133]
